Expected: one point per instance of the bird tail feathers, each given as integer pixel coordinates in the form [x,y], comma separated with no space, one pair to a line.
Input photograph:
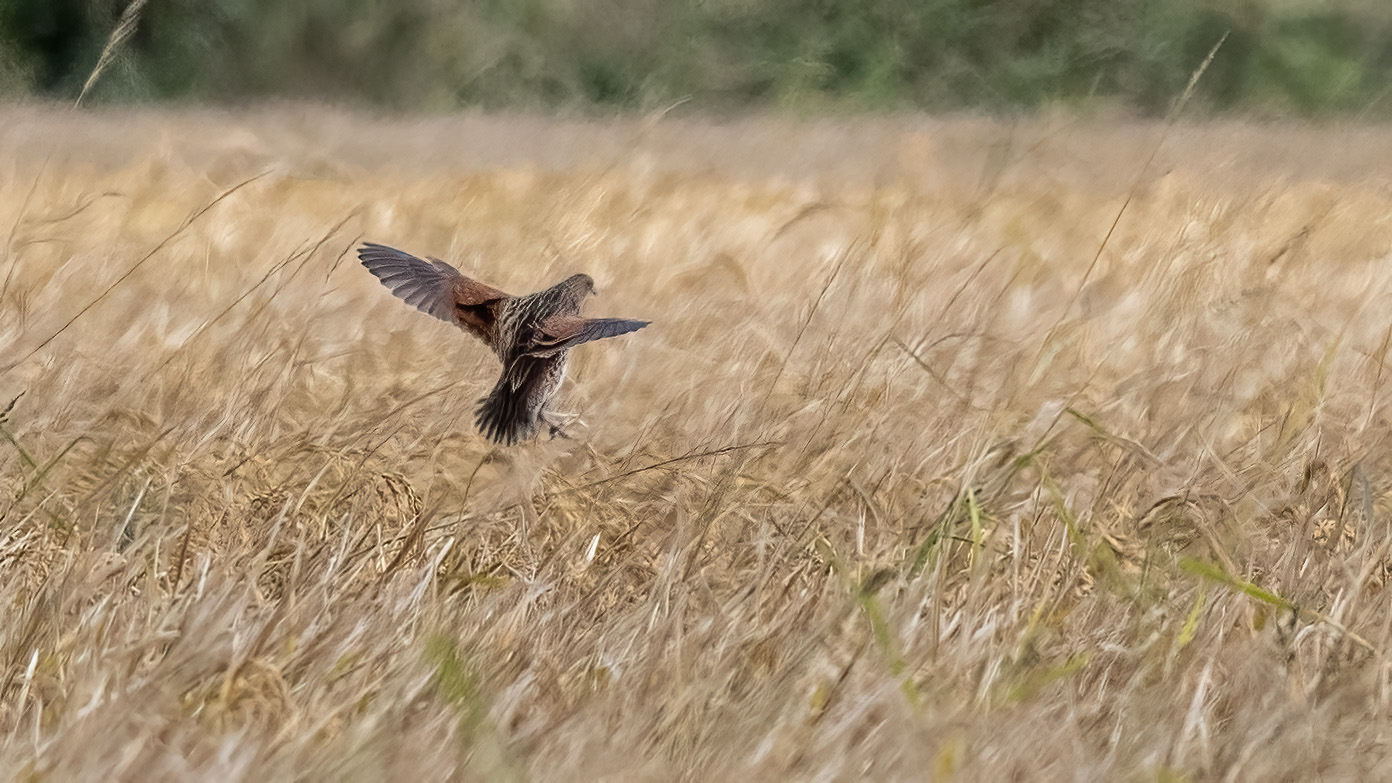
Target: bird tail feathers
[503,417]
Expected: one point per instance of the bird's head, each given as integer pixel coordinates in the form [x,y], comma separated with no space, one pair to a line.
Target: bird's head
[581,284]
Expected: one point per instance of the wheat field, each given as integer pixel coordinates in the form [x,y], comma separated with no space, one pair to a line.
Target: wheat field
[958,449]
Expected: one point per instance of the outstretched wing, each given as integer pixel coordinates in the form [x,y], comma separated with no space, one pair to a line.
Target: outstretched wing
[436,288]
[563,332]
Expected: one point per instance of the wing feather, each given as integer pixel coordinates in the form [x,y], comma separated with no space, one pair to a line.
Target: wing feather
[564,332]
[436,288]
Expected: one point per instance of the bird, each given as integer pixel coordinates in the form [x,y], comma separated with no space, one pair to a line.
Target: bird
[531,335]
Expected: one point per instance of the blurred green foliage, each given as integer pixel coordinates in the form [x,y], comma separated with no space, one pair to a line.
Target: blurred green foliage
[1281,55]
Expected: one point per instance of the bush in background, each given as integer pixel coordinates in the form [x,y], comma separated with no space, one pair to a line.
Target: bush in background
[877,54]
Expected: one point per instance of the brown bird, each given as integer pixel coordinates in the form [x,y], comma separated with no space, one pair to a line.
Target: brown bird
[532,334]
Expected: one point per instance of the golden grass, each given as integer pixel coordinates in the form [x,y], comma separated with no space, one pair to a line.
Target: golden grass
[888,490]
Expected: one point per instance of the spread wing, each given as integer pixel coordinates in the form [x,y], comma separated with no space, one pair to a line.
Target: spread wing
[436,288]
[563,332]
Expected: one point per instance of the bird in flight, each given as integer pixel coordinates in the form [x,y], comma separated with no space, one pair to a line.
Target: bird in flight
[532,335]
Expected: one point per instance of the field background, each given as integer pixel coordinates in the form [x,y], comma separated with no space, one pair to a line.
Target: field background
[906,480]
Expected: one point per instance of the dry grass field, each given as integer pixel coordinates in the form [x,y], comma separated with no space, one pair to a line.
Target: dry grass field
[906,481]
